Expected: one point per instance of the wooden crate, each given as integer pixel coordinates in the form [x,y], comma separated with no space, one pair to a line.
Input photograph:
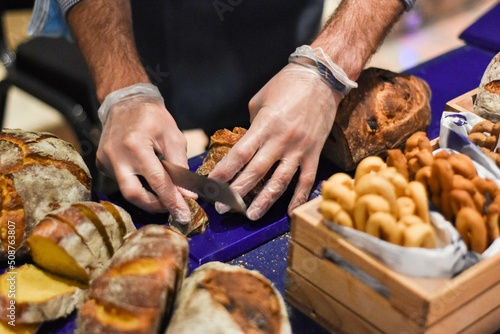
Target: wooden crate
[347,290]
[462,103]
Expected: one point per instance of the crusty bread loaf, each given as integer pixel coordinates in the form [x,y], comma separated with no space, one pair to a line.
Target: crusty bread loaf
[78,241]
[38,173]
[136,293]
[487,103]
[379,115]
[219,298]
[37,295]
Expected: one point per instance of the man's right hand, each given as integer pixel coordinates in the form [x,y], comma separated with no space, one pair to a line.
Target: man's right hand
[135,131]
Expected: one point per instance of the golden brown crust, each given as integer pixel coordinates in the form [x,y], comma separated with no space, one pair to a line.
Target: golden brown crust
[379,115]
[139,288]
[38,173]
[199,220]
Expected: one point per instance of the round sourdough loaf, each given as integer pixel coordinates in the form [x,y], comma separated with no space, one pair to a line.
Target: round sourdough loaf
[379,115]
[487,103]
[38,173]
[221,298]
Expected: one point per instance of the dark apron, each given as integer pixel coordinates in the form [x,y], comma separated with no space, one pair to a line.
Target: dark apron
[209,57]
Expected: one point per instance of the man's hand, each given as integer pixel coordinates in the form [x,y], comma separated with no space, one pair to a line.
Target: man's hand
[134,132]
[292,116]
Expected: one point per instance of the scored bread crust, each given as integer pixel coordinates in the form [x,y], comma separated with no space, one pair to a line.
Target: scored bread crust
[379,115]
[199,310]
[487,103]
[138,290]
[38,173]
[87,234]
[70,247]
[85,229]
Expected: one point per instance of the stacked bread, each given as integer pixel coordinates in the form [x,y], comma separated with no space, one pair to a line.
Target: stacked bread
[70,246]
[450,181]
[455,188]
[38,174]
[136,293]
[485,135]
[380,201]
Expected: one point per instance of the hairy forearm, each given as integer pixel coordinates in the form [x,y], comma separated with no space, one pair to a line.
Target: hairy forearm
[103,31]
[355,31]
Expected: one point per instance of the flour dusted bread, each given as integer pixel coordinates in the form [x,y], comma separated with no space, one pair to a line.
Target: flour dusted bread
[78,241]
[379,115]
[487,103]
[38,173]
[137,292]
[220,298]
[38,295]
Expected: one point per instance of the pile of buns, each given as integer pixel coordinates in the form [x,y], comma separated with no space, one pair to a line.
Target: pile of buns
[449,181]
[380,201]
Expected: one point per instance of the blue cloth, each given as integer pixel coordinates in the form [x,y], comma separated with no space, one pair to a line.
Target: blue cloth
[48,20]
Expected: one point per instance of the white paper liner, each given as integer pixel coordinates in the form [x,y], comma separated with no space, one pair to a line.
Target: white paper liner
[446,260]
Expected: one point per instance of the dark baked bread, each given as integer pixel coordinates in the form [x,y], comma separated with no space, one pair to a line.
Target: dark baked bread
[38,173]
[379,115]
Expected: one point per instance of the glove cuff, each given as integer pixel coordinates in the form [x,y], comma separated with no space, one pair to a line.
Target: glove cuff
[140,90]
[329,72]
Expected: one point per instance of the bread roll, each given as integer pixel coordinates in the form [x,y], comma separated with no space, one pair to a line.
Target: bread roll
[38,173]
[219,298]
[379,115]
[487,103]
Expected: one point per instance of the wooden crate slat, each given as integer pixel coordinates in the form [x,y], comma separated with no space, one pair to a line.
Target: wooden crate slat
[349,291]
[490,323]
[465,316]
[308,231]
[331,314]
[462,103]
[418,298]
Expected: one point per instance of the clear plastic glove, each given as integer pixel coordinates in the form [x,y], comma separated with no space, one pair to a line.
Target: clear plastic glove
[291,118]
[137,126]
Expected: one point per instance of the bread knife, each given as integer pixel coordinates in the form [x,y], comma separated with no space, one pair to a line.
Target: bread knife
[209,190]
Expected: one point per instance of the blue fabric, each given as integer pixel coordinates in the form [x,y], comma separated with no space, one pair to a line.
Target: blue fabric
[484,33]
[48,20]
[409,4]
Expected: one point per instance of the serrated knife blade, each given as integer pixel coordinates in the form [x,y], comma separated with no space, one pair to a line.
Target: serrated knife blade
[209,190]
